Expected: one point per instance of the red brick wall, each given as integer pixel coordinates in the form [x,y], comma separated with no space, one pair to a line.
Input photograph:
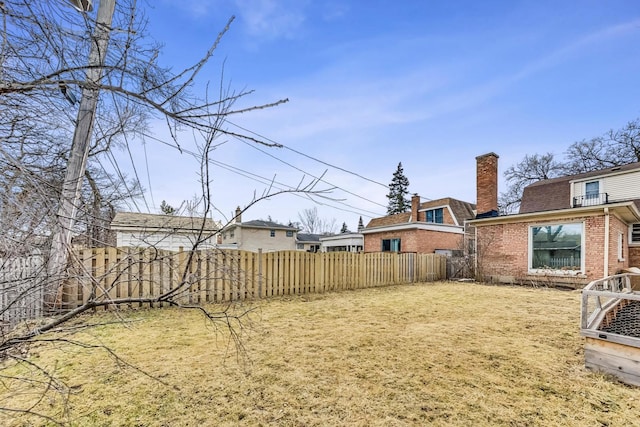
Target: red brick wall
[420,241]
[503,252]
[634,256]
[618,227]
[487,183]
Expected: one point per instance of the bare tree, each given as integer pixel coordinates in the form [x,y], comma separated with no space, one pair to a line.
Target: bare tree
[531,169]
[46,74]
[311,222]
[52,56]
[614,148]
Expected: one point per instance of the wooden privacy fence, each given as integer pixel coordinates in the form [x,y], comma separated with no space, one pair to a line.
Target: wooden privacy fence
[230,275]
[21,290]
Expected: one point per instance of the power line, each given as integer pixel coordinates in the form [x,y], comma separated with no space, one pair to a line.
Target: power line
[255,147]
[308,156]
[277,185]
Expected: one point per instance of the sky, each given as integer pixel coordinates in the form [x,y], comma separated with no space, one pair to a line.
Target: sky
[371,84]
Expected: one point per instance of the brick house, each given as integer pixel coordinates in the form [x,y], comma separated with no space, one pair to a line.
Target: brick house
[569,230]
[433,226]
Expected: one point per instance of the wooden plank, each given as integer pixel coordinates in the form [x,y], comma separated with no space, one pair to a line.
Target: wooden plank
[217,276]
[616,359]
[295,267]
[99,270]
[70,287]
[244,268]
[280,266]
[267,278]
[111,276]
[146,289]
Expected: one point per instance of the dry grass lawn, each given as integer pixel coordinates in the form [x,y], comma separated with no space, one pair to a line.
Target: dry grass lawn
[431,354]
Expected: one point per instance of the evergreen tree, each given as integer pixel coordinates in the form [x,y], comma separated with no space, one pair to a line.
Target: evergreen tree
[360,224]
[398,190]
[344,228]
[167,209]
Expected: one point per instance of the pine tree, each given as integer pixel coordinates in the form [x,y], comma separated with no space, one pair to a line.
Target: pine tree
[167,209]
[360,224]
[344,228]
[398,190]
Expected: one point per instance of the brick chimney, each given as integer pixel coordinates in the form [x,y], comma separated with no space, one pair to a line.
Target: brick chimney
[415,205]
[238,215]
[487,185]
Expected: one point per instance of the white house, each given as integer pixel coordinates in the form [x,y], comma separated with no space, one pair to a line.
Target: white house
[168,232]
[343,242]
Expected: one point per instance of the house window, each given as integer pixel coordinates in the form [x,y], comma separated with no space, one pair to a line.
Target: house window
[390,245]
[300,245]
[592,190]
[620,246]
[556,247]
[635,234]
[272,233]
[289,233]
[232,234]
[435,215]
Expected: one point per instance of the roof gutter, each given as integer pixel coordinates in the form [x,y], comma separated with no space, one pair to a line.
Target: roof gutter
[445,228]
[586,210]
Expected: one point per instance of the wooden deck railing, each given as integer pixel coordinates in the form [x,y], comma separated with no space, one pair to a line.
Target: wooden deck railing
[602,295]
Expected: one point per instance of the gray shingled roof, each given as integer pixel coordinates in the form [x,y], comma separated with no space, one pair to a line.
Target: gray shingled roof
[132,220]
[258,223]
[307,237]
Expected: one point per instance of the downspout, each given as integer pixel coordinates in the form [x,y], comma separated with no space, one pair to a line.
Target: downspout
[606,242]
[475,252]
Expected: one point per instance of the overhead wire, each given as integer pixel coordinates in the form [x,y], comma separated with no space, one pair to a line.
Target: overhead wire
[255,147]
[307,155]
[269,181]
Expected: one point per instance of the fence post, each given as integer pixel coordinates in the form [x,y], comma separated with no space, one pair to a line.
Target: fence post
[259,272]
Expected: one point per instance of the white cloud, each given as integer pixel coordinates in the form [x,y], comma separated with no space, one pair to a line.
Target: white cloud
[272,19]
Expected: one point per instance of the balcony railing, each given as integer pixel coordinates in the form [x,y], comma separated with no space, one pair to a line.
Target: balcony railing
[591,200]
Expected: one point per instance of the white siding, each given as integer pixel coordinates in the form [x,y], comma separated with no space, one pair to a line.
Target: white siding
[623,186]
[259,238]
[171,242]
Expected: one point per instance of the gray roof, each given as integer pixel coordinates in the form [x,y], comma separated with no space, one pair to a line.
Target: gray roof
[258,223]
[132,220]
[307,237]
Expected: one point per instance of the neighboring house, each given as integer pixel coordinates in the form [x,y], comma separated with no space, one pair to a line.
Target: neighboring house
[267,236]
[343,242]
[569,231]
[170,232]
[437,225]
[308,242]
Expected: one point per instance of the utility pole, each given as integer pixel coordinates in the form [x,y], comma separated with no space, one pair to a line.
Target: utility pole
[77,161]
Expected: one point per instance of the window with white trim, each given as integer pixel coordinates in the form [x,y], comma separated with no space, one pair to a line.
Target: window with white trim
[620,246]
[556,247]
[272,233]
[592,190]
[634,234]
[435,215]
